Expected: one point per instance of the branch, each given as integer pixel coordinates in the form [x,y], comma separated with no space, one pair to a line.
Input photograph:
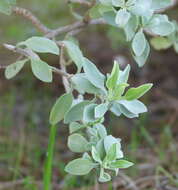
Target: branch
[30,54]
[74,26]
[33,19]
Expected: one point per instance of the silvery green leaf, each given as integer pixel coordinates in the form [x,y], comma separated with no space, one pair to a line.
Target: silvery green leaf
[74,127]
[76,112]
[111,155]
[135,93]
[93,74]
[61,106]
[130,3]
[134,106]
[160,25]
[79,166]
[160,4]
[92,131]
[131,27]
[89,113]
[109,141]
[142,8]
[100,149]
[118,91]
[109,17]
[124,75]
[113,77]
[95,155]
[77,143]
[101,130]
[41,70]
[122,17]
[41,45]
[75,54]
[104,177]
[141,60]
[13,69]
[121,164]
[83,85]
[116,109]
[118,3]
[139,43]
[100,110]
[126,112]
[87,156]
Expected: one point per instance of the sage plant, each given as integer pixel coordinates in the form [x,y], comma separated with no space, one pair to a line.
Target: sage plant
[98,150]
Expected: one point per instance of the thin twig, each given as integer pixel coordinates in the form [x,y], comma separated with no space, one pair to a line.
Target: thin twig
[63,69]
[30,54]
[33,19]
[74,26]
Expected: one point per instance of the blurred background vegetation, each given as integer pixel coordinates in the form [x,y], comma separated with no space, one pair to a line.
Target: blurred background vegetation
[151,141]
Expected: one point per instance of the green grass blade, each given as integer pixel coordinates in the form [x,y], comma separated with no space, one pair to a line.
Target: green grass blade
[47,180]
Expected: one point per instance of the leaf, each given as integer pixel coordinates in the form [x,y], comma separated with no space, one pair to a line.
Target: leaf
[121,164]
[126,112]
[75,54]
[110,17]
[41,45]
[74,127]
[79,166]
[13,69]
[124,75]
[161,43]
[135,93]
[101,130]
[142,8]
[139,43]
[76,112]
[131,27]
[122,17]
[95,155]
[141,60]
[100,149]
[118,3]
[109,141]
[93,74]
[83,85]
[41,70]
[77,143]
[160,25]
[100,110]
[60,108]
[112,79]
[134,106]
[104,177]
[111,154]
[89,113]
[160,4]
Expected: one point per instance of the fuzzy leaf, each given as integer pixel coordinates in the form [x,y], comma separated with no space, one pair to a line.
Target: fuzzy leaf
[41,45]
[79,166]
[60,108]
[13,69]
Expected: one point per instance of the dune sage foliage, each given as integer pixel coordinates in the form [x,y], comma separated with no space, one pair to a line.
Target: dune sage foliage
[109,92]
